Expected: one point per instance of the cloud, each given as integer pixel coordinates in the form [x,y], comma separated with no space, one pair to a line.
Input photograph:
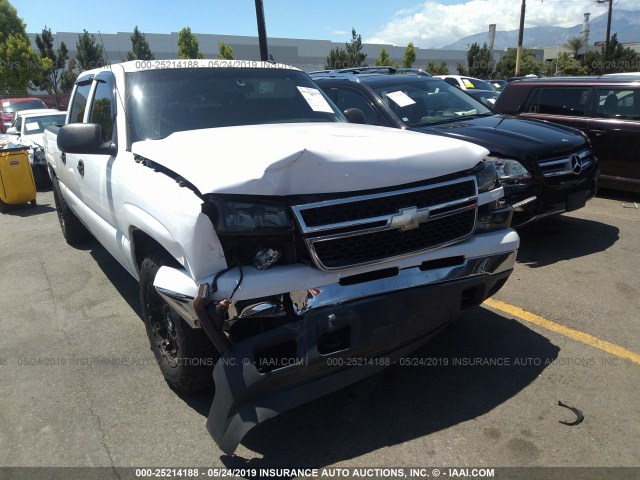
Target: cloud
[432,24]
[339,32]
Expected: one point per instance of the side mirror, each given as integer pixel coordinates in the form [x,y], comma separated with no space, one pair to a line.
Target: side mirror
[355,115]
[84,138]
[12,131]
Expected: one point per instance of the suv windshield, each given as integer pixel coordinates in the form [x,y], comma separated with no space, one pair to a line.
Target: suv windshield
[429,101]
[161,102]
[36,125]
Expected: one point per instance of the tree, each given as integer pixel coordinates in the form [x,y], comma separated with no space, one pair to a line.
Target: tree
[355,57]
[139,47]
[20,64]
[188,46]
[506,67]
[461,69]
[480,61]
[68,77]
[384,59]
[434,69]
[620,59]
[225,51]
[409,57]
[89,53]
[565,64]
[337,58]
[51,79]
[574,44]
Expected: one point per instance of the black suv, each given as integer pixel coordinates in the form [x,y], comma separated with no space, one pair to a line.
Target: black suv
[545,169]
[606,108]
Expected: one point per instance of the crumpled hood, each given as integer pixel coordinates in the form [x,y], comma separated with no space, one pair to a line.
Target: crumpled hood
[290,159]
[513,137]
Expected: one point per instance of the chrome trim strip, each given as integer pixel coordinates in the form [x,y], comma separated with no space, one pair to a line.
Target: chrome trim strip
[566,164]
[298,209]
[335,294]
[182,304]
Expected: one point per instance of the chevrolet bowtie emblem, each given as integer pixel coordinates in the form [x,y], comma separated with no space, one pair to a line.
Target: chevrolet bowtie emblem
[409,218]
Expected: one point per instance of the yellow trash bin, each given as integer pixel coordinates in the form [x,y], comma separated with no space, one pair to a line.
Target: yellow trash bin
[16,177]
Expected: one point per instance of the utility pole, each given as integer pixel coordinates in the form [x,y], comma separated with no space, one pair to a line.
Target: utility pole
[262,31]
[605,59]
[520,35]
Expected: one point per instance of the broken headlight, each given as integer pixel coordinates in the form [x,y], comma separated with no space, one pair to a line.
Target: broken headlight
[243,217]
[509,171]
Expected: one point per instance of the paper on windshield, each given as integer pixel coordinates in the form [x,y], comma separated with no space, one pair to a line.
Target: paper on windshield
[30,126]
[315,99]
[401,98]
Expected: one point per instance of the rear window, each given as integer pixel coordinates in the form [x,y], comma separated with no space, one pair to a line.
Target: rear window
[567,101]
[12,107]
[618,103]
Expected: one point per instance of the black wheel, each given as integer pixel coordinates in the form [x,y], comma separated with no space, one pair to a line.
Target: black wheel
[185,355]
[73,230]
[34,203]
[3,207]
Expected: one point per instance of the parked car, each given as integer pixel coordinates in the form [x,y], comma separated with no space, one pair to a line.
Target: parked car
[271,238]
[606,108]
[12,105]
[467,83]
[546,169]
[28,129]
[487,97]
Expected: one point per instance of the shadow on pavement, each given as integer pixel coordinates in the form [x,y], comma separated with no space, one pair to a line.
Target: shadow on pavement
[27,210]
[404,402]
[563,238]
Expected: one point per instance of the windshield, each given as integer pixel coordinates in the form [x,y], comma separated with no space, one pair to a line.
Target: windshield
[35,125]
[161,102]
[18,106]
[429,101]
[477,84]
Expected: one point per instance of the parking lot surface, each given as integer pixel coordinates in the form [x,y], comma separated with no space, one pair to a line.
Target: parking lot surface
[80,387]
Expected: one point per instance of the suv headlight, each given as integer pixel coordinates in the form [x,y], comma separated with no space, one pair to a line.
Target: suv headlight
[509,170]
[486,176]
[242,217]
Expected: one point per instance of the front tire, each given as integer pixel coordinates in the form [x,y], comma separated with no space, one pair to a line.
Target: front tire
[186,356]
[73,230]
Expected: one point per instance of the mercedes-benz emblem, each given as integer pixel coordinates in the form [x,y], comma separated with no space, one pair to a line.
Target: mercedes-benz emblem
[576,164]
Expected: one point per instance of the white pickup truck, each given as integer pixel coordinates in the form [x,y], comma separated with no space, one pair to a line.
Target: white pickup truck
[294,252]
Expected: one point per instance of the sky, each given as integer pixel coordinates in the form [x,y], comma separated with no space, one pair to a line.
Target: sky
[428,24]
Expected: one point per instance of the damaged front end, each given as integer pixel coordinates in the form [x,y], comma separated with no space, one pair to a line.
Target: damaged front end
[322,292]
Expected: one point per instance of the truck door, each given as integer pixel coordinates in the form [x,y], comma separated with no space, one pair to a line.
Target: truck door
[67,167]
[94,171]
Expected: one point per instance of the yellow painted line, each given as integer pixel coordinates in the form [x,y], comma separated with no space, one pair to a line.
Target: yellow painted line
[582,337]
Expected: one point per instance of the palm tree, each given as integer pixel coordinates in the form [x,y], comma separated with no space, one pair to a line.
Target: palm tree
[574,44]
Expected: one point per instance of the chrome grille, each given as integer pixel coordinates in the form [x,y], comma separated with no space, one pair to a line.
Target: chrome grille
[368,229]
[573,164]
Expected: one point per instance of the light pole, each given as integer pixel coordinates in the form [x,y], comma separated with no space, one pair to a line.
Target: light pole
[605,59]
[262,31]
[520,35]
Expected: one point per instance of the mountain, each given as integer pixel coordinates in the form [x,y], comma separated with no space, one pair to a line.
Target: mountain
[624,22]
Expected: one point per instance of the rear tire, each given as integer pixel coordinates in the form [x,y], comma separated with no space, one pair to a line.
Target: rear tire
[186,356]
[3,207]
[41,177]
[73,230]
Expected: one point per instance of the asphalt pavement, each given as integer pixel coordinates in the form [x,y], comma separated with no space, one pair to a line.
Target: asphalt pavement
[80,387]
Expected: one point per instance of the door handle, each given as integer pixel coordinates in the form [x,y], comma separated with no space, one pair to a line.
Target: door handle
[81,168]
[63,157]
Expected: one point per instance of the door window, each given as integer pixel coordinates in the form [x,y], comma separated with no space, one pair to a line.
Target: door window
[618,103]
[76,113]
[102,109]
[558,101]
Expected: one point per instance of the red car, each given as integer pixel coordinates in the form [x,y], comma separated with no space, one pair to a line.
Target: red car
[12,105]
